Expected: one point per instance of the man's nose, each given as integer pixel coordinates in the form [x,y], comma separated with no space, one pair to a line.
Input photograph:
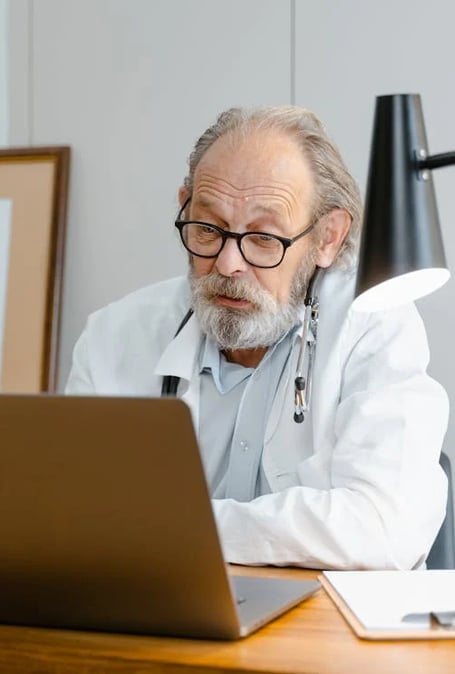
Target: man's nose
[230,261]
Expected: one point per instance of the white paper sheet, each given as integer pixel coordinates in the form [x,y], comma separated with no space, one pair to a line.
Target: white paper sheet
[5,242]
[381,599]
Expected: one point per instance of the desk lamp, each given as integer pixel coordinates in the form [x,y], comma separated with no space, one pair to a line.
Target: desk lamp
[401,251]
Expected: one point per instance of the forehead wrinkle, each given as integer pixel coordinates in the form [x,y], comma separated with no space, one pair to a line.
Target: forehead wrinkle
[267,208]
[218,185]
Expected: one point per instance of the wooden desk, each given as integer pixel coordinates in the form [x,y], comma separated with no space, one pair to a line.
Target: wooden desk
[311,639]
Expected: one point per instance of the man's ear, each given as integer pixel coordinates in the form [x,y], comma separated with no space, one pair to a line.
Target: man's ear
[183,195]
[334,229]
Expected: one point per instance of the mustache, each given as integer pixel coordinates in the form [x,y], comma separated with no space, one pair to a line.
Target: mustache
[213,285]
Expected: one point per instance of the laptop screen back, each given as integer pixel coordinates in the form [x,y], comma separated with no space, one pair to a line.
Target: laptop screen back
[105,519]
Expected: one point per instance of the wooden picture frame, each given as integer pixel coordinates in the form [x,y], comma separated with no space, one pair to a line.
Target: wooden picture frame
[35,180]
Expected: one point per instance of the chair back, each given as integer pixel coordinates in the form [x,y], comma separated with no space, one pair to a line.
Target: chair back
[442,553]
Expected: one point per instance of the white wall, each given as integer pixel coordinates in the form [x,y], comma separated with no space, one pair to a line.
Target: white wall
[348,53]
[3,73]
[129,84]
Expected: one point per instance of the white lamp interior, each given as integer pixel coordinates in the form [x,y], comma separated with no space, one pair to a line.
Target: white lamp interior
[401,289]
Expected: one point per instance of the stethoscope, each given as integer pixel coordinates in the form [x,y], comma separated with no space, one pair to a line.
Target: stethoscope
[302,382]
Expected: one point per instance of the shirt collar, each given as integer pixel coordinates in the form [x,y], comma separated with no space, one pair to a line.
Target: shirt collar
[226,375]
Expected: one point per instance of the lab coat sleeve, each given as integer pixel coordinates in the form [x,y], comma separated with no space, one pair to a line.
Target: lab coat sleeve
[386,494]
[80,379]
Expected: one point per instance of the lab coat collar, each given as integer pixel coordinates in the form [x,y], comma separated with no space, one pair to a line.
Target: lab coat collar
[181,355]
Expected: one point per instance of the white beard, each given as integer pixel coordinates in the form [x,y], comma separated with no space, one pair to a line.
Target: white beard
[234,329]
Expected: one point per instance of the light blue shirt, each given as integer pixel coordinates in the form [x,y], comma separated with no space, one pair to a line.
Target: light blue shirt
[235,404]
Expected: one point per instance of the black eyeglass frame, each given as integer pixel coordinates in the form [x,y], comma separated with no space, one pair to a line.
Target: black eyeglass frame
[226,234]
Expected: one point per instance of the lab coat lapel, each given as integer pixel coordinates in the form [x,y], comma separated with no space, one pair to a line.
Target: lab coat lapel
[180,359]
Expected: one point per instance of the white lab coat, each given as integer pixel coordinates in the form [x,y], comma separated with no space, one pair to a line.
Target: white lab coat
[358,484]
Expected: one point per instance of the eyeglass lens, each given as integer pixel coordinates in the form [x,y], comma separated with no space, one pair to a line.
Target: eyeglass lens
[258,249]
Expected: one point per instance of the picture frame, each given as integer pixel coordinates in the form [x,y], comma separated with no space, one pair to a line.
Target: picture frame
[34,180]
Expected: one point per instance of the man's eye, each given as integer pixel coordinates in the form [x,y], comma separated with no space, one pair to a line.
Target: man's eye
[207,231]
[264,241]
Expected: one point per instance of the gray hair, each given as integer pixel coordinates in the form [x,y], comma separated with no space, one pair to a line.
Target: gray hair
[334,185]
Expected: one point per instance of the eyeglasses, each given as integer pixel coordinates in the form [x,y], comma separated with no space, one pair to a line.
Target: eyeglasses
[259,249]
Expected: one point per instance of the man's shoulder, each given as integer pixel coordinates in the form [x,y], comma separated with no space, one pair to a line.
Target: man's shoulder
[335,298]
[161,294]
[339,283]
[158,303]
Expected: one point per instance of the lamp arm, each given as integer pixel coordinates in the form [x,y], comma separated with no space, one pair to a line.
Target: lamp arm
[436,161]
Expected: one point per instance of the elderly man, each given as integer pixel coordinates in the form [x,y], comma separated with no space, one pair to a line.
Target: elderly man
[267,201]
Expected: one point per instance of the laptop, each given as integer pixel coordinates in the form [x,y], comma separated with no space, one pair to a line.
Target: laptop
[106,524]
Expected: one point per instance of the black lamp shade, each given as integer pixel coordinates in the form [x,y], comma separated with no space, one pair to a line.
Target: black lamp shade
[401,236]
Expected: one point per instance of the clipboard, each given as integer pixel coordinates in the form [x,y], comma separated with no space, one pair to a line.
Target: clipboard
[381,605]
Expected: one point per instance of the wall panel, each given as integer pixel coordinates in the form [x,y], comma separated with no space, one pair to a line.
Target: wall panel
[347,54]
[3,72]
[130,85]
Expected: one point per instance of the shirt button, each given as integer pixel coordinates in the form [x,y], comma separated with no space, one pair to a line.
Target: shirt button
[244,445]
